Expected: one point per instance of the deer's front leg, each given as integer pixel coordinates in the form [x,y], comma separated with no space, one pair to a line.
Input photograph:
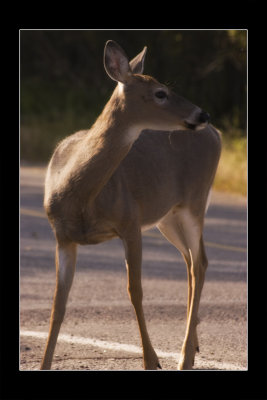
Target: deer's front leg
[133,253]
[65,267]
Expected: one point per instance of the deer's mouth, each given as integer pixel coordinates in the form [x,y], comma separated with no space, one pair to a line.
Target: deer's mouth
[189,125]
[200,121]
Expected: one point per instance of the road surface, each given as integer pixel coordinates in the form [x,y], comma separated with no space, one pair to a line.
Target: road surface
[99,331]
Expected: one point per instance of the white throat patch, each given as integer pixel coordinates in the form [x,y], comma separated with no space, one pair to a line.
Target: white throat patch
[120,87]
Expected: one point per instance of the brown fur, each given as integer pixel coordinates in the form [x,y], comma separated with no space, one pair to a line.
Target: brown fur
[107,182]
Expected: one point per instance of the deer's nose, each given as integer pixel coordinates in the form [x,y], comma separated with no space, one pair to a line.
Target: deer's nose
[204,117]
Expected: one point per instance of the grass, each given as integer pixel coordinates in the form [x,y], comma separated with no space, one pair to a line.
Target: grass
[232,170]
[40,135]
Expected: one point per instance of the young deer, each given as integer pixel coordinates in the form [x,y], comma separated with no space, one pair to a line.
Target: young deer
[129,172]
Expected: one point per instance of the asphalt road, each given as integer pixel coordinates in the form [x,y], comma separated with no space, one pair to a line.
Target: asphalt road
[100,331]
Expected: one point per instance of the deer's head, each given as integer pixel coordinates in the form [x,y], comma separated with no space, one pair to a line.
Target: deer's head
[150,104]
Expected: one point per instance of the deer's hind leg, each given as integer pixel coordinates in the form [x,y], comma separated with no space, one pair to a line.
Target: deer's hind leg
[184,231]
[65,267]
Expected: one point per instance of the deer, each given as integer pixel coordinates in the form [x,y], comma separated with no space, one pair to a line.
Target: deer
[149,159]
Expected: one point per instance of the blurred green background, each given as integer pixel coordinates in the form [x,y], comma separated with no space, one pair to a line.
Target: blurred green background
[64,87]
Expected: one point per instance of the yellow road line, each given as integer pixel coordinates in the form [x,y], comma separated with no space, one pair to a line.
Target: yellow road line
[32,213]
[40,214]
[208,244]
[226,247]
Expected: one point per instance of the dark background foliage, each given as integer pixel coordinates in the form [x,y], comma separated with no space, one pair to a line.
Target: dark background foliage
[63,85]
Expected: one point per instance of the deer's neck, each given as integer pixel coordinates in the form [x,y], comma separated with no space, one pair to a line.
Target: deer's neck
[105,146]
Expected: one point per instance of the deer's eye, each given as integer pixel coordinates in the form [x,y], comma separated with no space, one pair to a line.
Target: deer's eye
[160,94]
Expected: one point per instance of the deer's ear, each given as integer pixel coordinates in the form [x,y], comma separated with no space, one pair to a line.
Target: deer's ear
[116,62]
[137,63]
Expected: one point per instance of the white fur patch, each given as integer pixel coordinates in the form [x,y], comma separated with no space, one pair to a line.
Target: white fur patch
[181,229]
[208,201]
[120,88]
[132,134]
[191,230]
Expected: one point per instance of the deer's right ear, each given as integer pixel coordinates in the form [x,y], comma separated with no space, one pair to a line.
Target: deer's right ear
[116,62]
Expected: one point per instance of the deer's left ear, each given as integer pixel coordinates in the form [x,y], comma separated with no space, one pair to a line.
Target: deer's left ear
[137,63]
[116,62]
